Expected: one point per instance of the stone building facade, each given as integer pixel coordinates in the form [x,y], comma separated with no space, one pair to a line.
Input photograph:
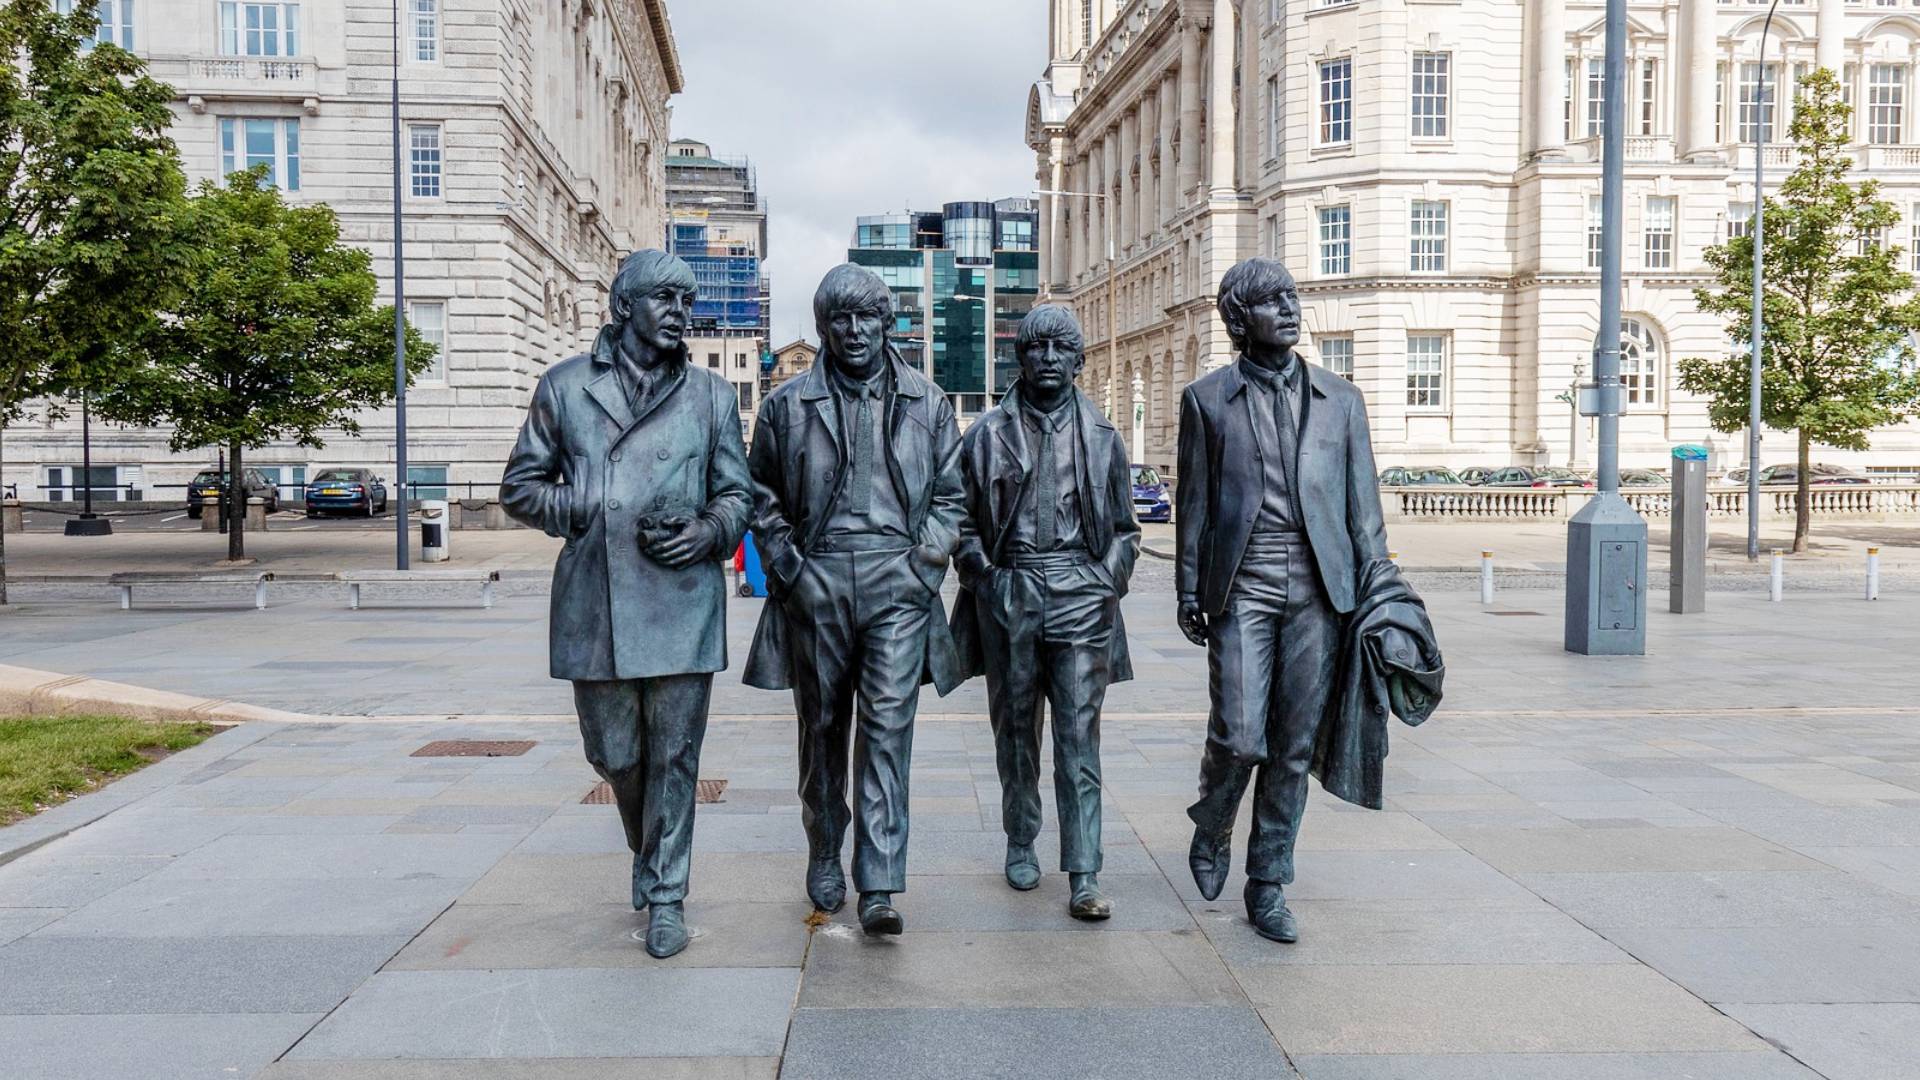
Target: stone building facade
[1430,170]
[533,133]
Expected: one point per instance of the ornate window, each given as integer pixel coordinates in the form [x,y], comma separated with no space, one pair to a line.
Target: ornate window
[1640,367]
[1336,101]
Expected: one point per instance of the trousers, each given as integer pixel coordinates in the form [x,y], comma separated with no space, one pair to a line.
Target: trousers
[643,737]
[1272,657]
[1046,630]
[859,650]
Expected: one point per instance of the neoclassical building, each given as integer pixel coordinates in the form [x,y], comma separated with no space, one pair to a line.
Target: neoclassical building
[534,133]
[1430,170]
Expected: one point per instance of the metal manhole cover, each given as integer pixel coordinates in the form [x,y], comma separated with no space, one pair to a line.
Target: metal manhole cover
[705,791]
[1536,614]
[474,748]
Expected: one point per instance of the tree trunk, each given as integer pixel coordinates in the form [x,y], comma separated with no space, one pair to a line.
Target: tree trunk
[1803,486]
[237,506]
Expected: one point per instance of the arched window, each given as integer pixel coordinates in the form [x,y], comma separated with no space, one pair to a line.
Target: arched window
[1639,363]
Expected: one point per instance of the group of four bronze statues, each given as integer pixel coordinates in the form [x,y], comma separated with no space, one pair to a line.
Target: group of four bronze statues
[860,493]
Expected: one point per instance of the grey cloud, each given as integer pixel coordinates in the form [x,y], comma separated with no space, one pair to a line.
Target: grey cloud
[851,107]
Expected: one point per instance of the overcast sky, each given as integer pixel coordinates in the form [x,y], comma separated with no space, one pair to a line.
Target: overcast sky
[851,107]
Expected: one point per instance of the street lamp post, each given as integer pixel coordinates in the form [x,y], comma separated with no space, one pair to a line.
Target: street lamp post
[399,322]
[88,523]
[1113,269]
[1606,606]
[1759,290]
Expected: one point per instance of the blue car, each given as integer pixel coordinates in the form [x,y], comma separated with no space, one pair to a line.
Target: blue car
[1151,499]
[348,491]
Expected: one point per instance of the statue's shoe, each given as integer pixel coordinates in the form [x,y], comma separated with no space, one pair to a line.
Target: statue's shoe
[1089,904]
[877,915]
[1023,869]
[666,931]
[1210,858]
[827,884]
[1268,912]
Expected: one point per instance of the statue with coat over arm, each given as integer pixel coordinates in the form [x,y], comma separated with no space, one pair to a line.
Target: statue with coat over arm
[635,458]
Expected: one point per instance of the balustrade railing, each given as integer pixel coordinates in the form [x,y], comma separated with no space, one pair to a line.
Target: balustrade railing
[1536,504]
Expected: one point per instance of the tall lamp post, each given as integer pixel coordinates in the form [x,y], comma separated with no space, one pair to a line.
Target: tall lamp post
[1759,290]
[1113,269]
[1606,607]
[399,322]
[88,523]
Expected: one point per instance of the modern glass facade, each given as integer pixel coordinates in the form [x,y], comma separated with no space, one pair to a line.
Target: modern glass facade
[962,280]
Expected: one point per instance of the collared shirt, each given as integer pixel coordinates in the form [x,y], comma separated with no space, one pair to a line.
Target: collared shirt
[1274,394]
[884,513]
[1025,538]
[641,377]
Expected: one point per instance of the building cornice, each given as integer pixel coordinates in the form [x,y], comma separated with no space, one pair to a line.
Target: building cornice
[662,28]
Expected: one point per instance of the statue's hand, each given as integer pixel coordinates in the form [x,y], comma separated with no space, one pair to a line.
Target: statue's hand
[1193,622]
[694,542]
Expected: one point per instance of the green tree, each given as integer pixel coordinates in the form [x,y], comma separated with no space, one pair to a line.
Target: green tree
[1837,359]
[91,195]
[276,338]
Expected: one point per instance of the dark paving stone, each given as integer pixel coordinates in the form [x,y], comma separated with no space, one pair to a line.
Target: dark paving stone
[1019,1044]
[713,1012]
[53,975]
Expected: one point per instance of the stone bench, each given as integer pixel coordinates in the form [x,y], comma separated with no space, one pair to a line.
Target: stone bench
[126,582]
[486,579]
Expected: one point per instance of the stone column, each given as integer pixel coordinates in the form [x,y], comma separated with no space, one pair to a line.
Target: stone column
[1830,51]
[1702,60]
[1222,129]
[1169,194]
[1547,80]
[1189,109]
[1128,204]
[1082,217]
[1056,229]
[1147,202]
[1103,208]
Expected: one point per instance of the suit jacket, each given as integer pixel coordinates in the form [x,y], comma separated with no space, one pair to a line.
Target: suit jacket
[997,464]
[587,469]
[799,465]
[1392,667]
[1220,483]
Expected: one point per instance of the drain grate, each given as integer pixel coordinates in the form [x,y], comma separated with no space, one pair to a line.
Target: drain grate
[1536,614]
[706,791]
[474,748]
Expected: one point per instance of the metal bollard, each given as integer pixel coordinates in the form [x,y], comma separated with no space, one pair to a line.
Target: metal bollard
[1774,587]
[1486,577]
[1873,573]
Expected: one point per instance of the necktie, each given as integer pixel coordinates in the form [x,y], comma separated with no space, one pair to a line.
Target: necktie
[863,457]
[1289,438]
[1046,491]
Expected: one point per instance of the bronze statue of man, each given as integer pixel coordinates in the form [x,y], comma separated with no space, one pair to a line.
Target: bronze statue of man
[635,457]
[1046,549]
[1278,516]
[857,502]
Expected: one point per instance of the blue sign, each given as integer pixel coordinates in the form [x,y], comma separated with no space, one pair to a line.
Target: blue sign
[1689,452]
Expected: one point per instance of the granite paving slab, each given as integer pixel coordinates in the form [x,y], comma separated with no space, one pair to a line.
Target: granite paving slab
[1409,932]
[601,1068]
[1522,851]
[44,975]
[1802,965]
[1724,898]
[147,1046]
[563,1013]
[210,909]
[1751,1065]
[1842,1042]
[46,881]
[726,933]
[987,902]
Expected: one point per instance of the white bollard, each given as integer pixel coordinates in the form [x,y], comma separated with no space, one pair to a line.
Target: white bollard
[1486,577]
[1873,573]
[1779,574]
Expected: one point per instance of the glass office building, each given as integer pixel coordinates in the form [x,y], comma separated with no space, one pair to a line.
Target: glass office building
[962,280]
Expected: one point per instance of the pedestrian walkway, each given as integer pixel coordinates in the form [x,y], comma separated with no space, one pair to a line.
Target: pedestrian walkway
[1723,896]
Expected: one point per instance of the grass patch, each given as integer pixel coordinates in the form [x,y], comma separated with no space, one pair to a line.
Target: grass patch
[46,760]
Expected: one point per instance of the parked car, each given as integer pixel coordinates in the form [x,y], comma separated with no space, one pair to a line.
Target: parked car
[1419,476]
[1735,477]
[1474,475]
[1822,475]
[346,491]
[1528,476]
[1151,499]
[209,486]
[1648,478]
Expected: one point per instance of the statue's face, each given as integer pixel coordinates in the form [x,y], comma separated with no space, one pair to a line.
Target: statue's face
[857,341]
[659,316]
[1050,364]
[1273,324]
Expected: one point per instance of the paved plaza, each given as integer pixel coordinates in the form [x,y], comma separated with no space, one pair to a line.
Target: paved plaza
[1704,863]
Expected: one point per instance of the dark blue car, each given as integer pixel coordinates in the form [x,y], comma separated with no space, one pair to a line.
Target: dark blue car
[1151,499]
[346,491]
